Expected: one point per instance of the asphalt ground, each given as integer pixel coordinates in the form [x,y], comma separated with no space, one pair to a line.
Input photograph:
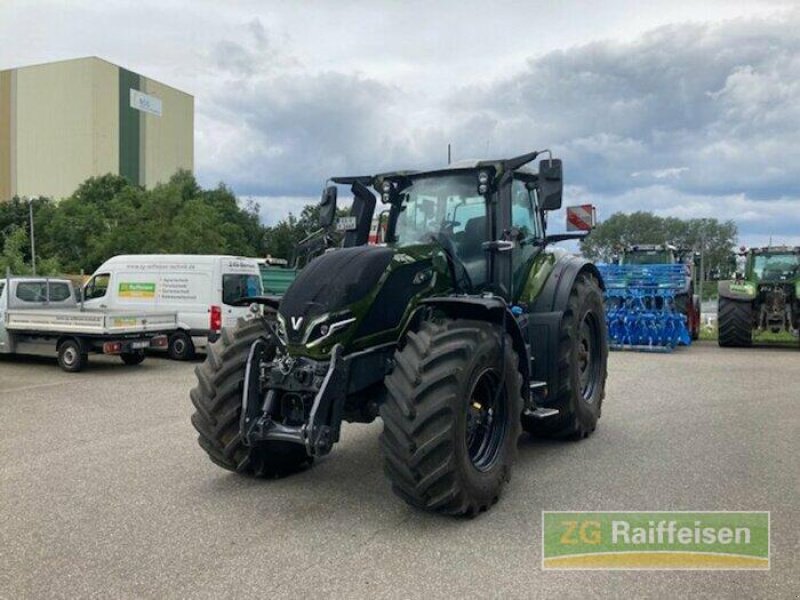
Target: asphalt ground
[104,492]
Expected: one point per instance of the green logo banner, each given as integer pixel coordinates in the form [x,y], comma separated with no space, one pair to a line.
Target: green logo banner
[137,290]
[655,540]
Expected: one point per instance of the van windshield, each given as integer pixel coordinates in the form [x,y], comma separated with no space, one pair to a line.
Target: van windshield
[238,286]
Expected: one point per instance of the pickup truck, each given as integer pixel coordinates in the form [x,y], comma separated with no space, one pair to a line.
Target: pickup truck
[43,316]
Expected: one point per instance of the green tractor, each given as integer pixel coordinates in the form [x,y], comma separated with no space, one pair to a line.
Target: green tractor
[764,296]
[463,329]
[686,301]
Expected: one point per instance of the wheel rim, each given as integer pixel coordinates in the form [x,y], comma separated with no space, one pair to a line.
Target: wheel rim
[70,356]
[486,422]
[179,346]
[589,356]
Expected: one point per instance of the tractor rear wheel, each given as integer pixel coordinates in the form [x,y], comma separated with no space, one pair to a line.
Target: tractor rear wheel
[451,416]
[218,405]
[582,366]
[735,323]
[689,305]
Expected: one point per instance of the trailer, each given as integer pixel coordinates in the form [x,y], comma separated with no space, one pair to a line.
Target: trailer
[44,317]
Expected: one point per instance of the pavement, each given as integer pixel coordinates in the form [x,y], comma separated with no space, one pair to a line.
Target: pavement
[104,492]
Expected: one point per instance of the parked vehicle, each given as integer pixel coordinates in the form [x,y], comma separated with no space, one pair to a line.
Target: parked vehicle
[276,275]
[637,257]
[41,316]
[201,289]
[764,296]
[465,328]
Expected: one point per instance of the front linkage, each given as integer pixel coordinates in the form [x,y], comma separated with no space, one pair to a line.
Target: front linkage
[300,400]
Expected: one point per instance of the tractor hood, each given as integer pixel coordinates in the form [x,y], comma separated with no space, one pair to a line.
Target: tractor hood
[331,282]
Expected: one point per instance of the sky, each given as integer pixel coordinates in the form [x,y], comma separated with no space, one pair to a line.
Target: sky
[682,108]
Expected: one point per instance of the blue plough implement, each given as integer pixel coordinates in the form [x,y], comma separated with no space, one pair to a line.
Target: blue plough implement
[640,307]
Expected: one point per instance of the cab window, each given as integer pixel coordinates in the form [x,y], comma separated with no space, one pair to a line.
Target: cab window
[97,286]
[58,291]
[31,291]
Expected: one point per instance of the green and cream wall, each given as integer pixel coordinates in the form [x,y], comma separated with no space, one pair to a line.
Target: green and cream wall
[61,123]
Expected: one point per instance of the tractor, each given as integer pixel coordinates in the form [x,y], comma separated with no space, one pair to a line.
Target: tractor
[464,328]
[763,296]
[686,301]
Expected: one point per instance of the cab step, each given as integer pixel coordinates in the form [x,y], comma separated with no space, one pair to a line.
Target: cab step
[541,413]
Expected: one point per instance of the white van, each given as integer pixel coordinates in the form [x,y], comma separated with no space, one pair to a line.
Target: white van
[201,289]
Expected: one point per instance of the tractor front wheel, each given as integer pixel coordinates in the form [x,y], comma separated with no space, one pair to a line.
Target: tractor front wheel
[582,366]
[451,416]
[735,321]
[218,404]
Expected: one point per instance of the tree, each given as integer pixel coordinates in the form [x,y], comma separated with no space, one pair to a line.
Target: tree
[714,239]
[281,239]
[12,258]
[108,215]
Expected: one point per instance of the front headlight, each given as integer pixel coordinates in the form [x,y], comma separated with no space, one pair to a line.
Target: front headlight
[325,328]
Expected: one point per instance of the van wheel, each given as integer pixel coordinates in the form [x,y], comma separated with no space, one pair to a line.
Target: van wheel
[180,346]
[70,356]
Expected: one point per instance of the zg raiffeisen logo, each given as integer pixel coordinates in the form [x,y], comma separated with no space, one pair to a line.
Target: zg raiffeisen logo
[655,540]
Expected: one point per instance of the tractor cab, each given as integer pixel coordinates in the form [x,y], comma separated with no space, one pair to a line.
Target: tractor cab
[649,254]
[485,219]
[773,264]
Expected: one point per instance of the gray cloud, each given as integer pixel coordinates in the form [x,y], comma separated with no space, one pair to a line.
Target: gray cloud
[686,119]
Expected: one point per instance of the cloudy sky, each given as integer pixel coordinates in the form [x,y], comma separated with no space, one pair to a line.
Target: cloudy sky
[684,108]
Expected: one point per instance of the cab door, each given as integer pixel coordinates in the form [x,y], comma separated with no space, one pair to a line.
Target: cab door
[97,291]
[527,225]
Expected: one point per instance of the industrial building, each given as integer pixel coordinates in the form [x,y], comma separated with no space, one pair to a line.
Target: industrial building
[63,122]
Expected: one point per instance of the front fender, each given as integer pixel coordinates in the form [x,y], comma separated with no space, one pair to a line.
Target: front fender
[492,309]
[745,291]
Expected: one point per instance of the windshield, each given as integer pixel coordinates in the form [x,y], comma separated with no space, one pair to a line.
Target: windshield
[448,205]
[647,257]
[238,286]
[776,266]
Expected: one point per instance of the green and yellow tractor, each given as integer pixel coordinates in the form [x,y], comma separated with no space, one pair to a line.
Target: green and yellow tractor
[466,327]
[763,297]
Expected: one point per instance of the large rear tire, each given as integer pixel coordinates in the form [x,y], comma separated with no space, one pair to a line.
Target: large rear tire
[582,366]
[218,403]
[735,323]
[451,416]
[689,305]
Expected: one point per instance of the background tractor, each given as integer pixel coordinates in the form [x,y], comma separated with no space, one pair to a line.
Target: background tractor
[686,301]
[464,328]
[764,296]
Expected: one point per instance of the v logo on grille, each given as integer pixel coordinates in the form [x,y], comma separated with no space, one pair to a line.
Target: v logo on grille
[297,322]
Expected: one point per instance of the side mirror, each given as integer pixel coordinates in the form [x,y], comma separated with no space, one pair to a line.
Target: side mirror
[327,206]
[551,184]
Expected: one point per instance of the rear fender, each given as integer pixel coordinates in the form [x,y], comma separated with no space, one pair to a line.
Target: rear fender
[493,310]
[555,293]
[744,291]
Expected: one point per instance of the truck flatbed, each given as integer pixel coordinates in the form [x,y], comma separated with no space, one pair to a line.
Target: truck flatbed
[86,322]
